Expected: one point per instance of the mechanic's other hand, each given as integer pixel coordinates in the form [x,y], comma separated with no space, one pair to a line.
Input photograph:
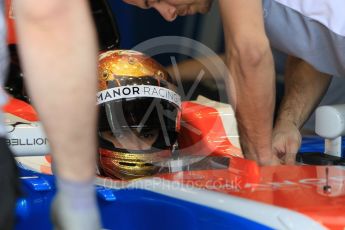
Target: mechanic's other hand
[273,160]
[264,159]
[286,141]
[168,11]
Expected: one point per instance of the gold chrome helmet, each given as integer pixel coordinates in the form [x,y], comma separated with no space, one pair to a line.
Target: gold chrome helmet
[139,114]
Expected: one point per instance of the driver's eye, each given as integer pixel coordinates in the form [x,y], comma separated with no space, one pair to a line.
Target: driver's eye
[146,135]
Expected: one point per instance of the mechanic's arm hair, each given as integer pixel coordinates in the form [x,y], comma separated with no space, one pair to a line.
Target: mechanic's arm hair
[58,49]
[304,89]
[250,62]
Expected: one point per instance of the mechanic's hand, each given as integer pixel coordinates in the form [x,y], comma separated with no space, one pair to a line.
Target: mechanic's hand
[268,160]
[65,218]
[286,141]
[168,11]
[273,160]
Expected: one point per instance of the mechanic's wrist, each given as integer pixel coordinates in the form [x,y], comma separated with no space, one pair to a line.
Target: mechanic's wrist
[263,158]
[264,155]
[267,159]
[258,154]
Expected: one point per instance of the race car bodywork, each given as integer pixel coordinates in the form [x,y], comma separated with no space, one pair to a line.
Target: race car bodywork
[209,186]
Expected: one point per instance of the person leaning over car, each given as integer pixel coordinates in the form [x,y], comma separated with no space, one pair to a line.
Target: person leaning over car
[314,37]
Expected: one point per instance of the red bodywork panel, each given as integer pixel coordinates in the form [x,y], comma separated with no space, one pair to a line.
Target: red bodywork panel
[203,133]
[20,109]
[9,14]
[299,188]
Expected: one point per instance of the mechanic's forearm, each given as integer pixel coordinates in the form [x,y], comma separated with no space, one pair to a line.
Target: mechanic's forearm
[304,89]
[250,61]
[254,103]
[61,33]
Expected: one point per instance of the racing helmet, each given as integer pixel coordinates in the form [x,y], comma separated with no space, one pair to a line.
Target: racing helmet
[139,114]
